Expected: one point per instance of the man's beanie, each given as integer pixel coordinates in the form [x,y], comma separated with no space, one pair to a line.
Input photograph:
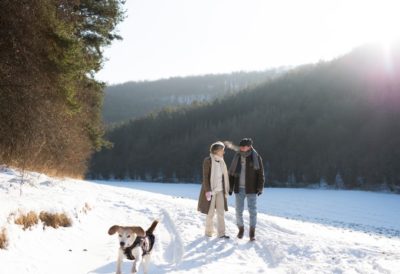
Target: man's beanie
[246,142]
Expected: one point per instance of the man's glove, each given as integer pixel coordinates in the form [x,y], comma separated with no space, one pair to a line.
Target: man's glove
[259,193]
[230,193]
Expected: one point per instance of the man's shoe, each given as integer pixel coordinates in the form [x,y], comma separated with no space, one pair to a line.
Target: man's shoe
[241,232]
[224,237]
[252,233]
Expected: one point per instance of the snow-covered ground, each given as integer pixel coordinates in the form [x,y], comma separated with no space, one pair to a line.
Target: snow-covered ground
[298,231]
[357,210]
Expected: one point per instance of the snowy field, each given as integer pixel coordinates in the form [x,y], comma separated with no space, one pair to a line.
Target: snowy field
[358,210]
[298,231]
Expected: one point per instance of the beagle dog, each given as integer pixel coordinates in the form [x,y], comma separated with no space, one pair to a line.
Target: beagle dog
[135,244]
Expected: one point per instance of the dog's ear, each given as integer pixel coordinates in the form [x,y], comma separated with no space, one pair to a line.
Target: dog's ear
[138,231]
[113,229]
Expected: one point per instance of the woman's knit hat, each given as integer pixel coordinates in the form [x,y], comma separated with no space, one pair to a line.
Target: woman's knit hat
[216,146]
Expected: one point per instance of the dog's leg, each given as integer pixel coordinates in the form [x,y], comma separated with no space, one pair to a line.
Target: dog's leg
[137,253]
[119,261]
[146,261]
[136,264]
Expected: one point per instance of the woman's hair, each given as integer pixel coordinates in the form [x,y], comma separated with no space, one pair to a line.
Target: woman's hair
[214,148]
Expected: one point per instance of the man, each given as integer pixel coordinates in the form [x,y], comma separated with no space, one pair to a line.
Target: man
[246,179]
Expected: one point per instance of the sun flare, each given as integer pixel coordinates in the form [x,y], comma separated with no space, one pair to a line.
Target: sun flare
[382,26]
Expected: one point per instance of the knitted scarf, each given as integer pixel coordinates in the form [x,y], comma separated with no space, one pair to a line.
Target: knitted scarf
[234,169]
[216,160]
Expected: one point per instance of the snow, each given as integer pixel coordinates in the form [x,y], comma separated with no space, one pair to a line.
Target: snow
[298,231]
[358,210]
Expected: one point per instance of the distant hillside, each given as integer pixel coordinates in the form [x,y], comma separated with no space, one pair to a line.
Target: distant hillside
[334,123]
[135,99]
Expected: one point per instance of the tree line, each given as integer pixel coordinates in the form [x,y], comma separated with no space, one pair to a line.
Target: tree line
[333,123]
[50,103]
[135,99]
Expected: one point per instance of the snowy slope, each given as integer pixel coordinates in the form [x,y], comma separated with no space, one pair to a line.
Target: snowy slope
[283,245]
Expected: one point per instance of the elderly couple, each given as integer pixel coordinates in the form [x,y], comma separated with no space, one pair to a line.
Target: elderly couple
[245,178]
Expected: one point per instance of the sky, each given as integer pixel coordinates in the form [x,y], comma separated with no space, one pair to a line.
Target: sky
[168,38]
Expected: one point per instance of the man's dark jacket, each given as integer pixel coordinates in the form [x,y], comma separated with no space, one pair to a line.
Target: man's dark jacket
[255,179]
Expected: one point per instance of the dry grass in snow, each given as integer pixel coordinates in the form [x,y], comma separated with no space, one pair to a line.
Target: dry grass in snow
[27,220]
[55,220]
[3,239]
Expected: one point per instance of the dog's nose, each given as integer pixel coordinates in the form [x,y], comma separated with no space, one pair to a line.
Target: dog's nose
[122,244]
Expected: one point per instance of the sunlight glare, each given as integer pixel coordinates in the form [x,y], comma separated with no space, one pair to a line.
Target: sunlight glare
[384,23]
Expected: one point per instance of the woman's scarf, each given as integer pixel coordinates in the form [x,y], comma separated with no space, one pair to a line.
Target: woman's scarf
[215,161]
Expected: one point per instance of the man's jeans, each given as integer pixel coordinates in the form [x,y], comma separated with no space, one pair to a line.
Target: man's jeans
[251,204]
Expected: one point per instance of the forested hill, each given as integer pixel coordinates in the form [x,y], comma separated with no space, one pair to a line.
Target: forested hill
[50,101]
[335,123]
[135,99]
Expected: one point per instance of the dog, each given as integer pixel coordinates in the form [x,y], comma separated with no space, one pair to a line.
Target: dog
[135,244]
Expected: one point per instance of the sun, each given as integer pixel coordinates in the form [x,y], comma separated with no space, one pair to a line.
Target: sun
[386,39]
[382,27]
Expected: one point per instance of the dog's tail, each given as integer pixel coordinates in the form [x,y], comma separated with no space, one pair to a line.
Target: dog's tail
[150,230]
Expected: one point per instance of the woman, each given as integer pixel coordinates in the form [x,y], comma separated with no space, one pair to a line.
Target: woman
[214,190]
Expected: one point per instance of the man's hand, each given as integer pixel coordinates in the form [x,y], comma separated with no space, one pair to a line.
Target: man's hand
[259,193]
[230,193]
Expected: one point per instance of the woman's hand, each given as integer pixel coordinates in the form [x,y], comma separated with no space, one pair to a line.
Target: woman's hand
[208,195]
